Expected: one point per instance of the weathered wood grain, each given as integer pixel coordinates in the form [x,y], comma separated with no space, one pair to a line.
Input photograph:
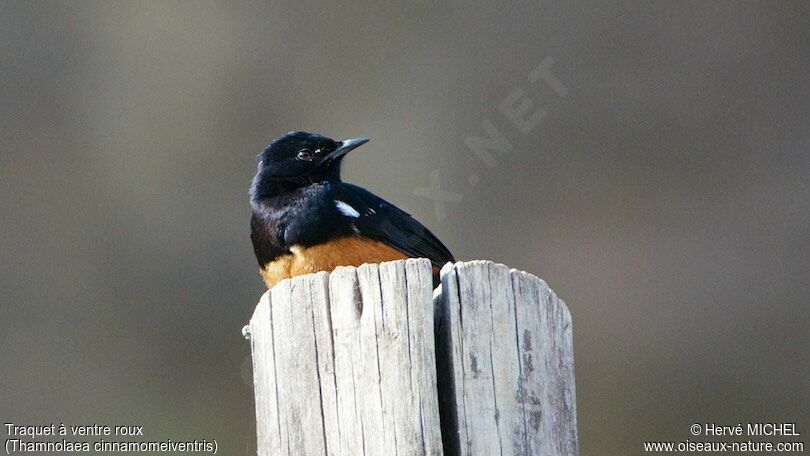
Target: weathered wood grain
[344,363]
[505,362]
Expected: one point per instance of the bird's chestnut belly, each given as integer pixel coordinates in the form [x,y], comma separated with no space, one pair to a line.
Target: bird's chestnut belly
[344,251]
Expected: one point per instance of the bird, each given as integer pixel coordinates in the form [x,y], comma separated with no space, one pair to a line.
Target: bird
[305,219]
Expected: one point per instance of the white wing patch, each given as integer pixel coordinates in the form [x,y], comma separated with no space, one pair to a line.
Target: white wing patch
[346,210]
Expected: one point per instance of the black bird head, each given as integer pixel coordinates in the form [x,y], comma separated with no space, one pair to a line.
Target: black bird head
[298,159]
[300,154]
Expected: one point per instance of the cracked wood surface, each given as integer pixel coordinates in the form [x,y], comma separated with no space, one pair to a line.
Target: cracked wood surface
[345,363]
[506,363]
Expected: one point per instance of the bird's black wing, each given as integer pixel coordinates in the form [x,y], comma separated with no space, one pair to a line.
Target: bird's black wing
[380,220]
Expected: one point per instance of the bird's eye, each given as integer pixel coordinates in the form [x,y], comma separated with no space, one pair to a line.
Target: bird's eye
[305,154]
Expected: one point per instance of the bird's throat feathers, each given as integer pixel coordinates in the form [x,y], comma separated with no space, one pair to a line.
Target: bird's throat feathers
[267,186]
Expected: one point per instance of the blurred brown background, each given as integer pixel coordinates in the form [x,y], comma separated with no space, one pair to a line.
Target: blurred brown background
[665,198]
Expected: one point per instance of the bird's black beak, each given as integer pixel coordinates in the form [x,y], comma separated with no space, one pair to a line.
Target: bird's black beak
[344,148]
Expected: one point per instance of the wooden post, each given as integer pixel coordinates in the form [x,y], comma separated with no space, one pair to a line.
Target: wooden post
[506,363]
[346,363]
